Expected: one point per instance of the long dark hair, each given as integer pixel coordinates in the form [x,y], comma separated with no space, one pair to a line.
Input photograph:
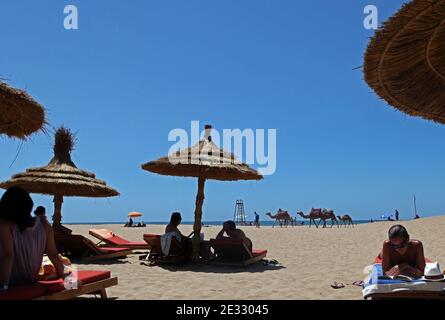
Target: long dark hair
[16,206]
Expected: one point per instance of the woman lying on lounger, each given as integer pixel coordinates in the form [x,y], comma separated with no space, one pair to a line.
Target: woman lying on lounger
[229,227]
[402,256]
[23,241]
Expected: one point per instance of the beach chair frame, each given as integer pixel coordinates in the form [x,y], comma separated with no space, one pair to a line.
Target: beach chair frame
[406,295]
[91,252]
[104,242]
[155,254]
[235,254]
[97,287]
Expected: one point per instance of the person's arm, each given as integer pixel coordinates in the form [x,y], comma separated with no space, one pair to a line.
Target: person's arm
[386,258]
[51,251]
[6,253]
[220,234]
[420,260]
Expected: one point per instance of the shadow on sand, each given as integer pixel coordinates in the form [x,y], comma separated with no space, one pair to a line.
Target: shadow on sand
[261,266]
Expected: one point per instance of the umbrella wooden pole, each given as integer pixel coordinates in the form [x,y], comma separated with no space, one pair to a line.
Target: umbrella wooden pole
[57,218]
[198,219]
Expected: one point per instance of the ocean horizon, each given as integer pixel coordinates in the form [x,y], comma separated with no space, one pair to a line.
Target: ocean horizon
[212,223]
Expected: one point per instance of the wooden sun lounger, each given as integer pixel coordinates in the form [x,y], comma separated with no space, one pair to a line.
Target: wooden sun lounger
[79,247]
[234,252]
[177,253]
[90,282]
[406,295]
[98,287]
[398,292]
[112,240]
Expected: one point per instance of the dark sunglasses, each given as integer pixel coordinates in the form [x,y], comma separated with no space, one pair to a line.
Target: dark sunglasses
[399,246]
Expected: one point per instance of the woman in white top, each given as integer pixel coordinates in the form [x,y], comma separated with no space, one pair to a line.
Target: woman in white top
[23,241]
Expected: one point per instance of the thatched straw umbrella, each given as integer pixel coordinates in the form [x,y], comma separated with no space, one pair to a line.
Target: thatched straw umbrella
[203,161]
[20,114]
[61,178]
[405,60]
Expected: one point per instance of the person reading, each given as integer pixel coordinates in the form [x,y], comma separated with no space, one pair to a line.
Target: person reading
[401,255]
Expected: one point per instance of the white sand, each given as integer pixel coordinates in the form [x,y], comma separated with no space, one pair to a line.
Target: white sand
[312,259]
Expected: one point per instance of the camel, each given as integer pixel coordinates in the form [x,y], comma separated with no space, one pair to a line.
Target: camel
[329,214]
[321,214]
[283,217]
[346,219]
[312,216]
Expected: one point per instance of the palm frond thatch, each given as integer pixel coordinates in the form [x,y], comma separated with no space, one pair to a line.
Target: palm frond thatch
[61,176]
[405,60]
[20,114]
[206,160]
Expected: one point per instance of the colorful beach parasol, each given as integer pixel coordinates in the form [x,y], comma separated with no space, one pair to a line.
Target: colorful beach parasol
[203,161]
[61,178]
[20,114]
[135,215]
[405,60]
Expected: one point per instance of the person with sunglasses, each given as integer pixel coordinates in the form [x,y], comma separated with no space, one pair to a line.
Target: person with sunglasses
[401,255]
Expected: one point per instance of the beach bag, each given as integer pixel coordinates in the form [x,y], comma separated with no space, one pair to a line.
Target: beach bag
[48,271]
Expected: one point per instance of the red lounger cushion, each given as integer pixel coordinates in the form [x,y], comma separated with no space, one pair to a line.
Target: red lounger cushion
[123,242]
[379,260]
[84,277]
[27,292]
[41,288]
[259,252]
[93,276]
[113,250]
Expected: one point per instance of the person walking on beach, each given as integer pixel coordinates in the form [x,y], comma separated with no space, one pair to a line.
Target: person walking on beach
[397,215]
[257,220]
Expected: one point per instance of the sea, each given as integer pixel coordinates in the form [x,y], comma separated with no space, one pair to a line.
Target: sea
[268,223]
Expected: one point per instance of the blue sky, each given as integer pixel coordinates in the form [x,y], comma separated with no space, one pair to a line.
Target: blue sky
[132,72]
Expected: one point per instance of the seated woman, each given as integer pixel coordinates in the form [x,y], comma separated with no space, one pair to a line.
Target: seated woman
[186,241]
[175,221]
[229,227]
[23,241]
[172,227]
[402,256]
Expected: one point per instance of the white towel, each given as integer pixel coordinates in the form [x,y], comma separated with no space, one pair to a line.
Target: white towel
[166,241]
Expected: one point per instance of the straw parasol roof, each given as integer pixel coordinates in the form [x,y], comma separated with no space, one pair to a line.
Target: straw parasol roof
[20,114]
[213,163]
[204,161]
[61,177]
[405,60]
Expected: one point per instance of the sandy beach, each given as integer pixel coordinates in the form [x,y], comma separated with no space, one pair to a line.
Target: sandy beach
[311,260]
